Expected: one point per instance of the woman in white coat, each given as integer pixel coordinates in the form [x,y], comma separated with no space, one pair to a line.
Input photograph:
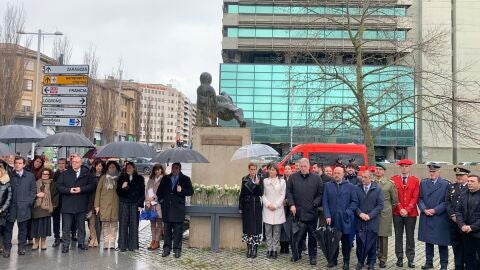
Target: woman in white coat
[273,211]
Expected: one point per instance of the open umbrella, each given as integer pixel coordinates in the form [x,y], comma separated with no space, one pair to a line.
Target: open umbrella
[179,154]
[20,134]
[66,139]
[295,229]
[254,151]
[5,150]
[125,150]
[328,239]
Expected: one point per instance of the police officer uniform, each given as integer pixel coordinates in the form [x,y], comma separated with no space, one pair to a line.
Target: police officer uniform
[457,238]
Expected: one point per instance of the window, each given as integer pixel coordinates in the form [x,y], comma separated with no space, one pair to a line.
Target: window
[331,158]
[29,65]
[27,85]
[26,105]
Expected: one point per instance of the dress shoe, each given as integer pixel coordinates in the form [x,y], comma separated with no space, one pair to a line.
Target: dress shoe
[74,238]
[411,264]
[165,253]
[6,253]
[275,254]
[122,249]
[313,261]
[371,267]
[131,249]
[56,242]
[443,268]
[177,254]
[382,264]
[427,266]
[21,252]
[82,247]
[359,266]
[399,263]
[292,259]
[65,249]
[345,266]
[331,264]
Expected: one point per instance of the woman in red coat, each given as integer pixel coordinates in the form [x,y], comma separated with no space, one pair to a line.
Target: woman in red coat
[405,214]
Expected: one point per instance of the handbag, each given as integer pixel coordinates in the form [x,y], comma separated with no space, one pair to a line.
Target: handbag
[148,214]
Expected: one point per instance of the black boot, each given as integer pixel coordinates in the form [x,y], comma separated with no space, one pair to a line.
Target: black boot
[249,250]
[254,251]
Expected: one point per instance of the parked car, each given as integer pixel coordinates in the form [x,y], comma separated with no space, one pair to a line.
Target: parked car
[144,166]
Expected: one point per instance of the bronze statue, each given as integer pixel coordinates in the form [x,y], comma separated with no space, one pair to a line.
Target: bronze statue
[210,106]
[206,102]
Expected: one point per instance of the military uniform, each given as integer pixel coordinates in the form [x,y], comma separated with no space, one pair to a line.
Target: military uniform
[468,213]
[457,238]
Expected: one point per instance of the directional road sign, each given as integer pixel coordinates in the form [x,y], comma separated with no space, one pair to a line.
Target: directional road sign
[72,69]
[60,100]
[64,111]
[65,80]
[62,122]
[65,90]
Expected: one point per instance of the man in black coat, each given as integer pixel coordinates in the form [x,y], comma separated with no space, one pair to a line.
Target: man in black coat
[171,195]
[20,210]
[455,192]
[468,219]
[75,185]
[61,167]
[304,195]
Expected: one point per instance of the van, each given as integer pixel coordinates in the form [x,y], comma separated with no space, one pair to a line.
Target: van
[327,154]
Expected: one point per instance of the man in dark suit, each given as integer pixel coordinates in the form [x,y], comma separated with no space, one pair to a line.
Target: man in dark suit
[468,220]
[20,210]
[171,195]
[454,194]
[75,184]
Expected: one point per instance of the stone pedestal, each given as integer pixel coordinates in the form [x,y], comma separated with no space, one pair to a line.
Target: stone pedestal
[218,144]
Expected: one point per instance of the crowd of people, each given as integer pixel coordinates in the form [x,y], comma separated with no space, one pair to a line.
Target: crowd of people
[106,195]
[362,206]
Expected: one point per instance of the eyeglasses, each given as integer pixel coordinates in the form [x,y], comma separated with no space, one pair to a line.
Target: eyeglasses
[46,174]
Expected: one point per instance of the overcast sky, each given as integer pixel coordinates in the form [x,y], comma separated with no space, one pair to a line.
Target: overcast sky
[159,41]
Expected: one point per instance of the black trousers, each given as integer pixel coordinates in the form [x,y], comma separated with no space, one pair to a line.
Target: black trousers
[56,223]
[472,252]
[68,220]
[407,224]
[458,240]
[173,233]
[346,249]
[128,226]
[442,250]
[8,234]
[312,241]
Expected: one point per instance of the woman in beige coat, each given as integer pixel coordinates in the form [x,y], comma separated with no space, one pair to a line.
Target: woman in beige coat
[273,211]
[151,202]
[106,204]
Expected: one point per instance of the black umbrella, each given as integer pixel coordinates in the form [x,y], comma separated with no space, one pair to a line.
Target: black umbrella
[5,150]
[20,134]
[367,239]
[328,239]
[179,154]
[295,229]
[126,150]
[66,139]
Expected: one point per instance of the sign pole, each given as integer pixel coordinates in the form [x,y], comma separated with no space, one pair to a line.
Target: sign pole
[37,82]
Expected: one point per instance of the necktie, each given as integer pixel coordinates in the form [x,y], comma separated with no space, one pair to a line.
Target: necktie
[366,189]
[404,179]
[174,181]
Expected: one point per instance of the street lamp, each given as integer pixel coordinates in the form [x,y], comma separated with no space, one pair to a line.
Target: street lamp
[39,35]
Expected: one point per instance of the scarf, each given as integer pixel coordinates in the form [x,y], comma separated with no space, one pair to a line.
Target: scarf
[5,178]
[45,202]
[111,181]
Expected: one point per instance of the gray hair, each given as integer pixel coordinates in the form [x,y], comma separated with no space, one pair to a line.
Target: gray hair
[304,160]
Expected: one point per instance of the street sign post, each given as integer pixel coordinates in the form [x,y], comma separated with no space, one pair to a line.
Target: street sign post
[62,122]
[61,100]
[65,90]
[65,80]
[70,69]
[64,111]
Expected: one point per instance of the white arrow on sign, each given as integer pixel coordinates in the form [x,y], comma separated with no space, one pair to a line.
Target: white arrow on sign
[71,69]
[65,90]
[61,100]
[62,122]
[64,111]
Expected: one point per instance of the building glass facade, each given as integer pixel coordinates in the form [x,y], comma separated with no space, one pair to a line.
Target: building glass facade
[282,102]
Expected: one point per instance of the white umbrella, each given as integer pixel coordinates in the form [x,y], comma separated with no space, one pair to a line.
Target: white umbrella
[254,151]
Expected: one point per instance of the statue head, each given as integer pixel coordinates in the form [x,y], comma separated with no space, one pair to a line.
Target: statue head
[205,78]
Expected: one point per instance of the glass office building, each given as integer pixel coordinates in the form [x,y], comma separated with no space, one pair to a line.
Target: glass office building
[282,100]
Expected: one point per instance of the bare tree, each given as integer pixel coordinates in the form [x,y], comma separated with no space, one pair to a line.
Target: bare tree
[62,50]
[108,108]
[376,85]
[147,125]
[12,62]
[91,59]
